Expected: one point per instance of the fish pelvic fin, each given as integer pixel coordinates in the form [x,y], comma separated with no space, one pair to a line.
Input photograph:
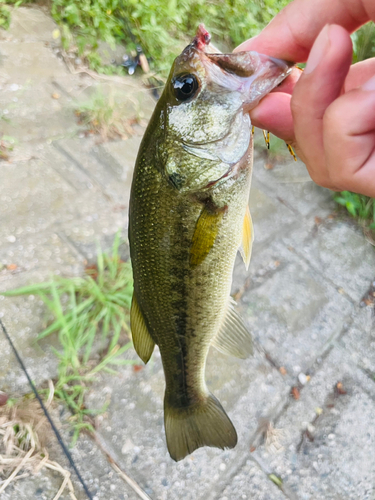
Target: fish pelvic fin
[142,340]
[202,424]
[247,238]
[233,337]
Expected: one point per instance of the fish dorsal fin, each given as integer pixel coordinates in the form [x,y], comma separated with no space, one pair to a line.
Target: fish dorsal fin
[142,341]
[205,234]
[247,238]
[233,337]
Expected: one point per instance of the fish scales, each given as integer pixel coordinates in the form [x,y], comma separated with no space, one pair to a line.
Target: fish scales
[187,210]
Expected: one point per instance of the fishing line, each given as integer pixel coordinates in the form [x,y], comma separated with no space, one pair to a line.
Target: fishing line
[46,413]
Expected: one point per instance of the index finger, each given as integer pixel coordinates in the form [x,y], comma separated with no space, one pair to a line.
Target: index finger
[291,34]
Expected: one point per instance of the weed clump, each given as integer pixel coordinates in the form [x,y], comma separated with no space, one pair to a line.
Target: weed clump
[103,116]
[23,437]
[91,319]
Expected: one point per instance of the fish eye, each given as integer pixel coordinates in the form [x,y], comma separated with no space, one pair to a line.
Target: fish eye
[185,87]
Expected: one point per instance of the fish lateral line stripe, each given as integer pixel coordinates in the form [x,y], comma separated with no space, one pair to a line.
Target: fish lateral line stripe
[46,412]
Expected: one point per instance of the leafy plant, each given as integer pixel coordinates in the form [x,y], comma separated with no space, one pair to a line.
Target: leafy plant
[4,15]
[359,206]
[364,42]
[161,27]
[90,314]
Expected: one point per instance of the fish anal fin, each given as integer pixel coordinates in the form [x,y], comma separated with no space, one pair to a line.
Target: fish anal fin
[247,238]
[142,341]
[233,338]
[202,424]
[205,233]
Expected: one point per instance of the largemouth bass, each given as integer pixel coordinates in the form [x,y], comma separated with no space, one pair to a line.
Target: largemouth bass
[188,217]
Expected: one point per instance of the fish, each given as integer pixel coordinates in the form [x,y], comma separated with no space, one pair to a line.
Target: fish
[188,216]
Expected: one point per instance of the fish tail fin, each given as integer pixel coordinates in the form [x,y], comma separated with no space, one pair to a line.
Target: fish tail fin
[202,424]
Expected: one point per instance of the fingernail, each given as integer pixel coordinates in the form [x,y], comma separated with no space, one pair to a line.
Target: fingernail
[318,50]
[369,85]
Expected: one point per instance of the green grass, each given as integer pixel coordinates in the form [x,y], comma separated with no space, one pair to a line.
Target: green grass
[161,27]
[4,15]
[91,319]
[359,206]
[104,115]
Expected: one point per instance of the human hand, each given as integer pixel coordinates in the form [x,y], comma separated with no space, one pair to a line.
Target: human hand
[327,113]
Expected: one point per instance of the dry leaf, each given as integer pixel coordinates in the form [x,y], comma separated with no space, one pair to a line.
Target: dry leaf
[3,398]
[269,166]
[340,388]
[295,392]
[137,368]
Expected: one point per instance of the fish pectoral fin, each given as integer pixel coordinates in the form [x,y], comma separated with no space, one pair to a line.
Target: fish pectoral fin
[142,340]
[205,234]
[202,424]
[233,337]
[247,238]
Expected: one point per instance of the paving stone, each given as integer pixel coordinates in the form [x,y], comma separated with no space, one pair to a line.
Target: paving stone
[43,485]
[30,24]
[251,483]
[339,252]
[82,154]
[40,67]
[95,231]
[24,318]
[290,309]
[359,340]
[336,460]
[34,196]
[103,482]
[269,215]
[25,125]
[133,426]
[120,157]
[31,258]
[290,183]
[20,90]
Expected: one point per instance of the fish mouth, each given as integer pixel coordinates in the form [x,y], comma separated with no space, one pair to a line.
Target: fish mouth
[251,74]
